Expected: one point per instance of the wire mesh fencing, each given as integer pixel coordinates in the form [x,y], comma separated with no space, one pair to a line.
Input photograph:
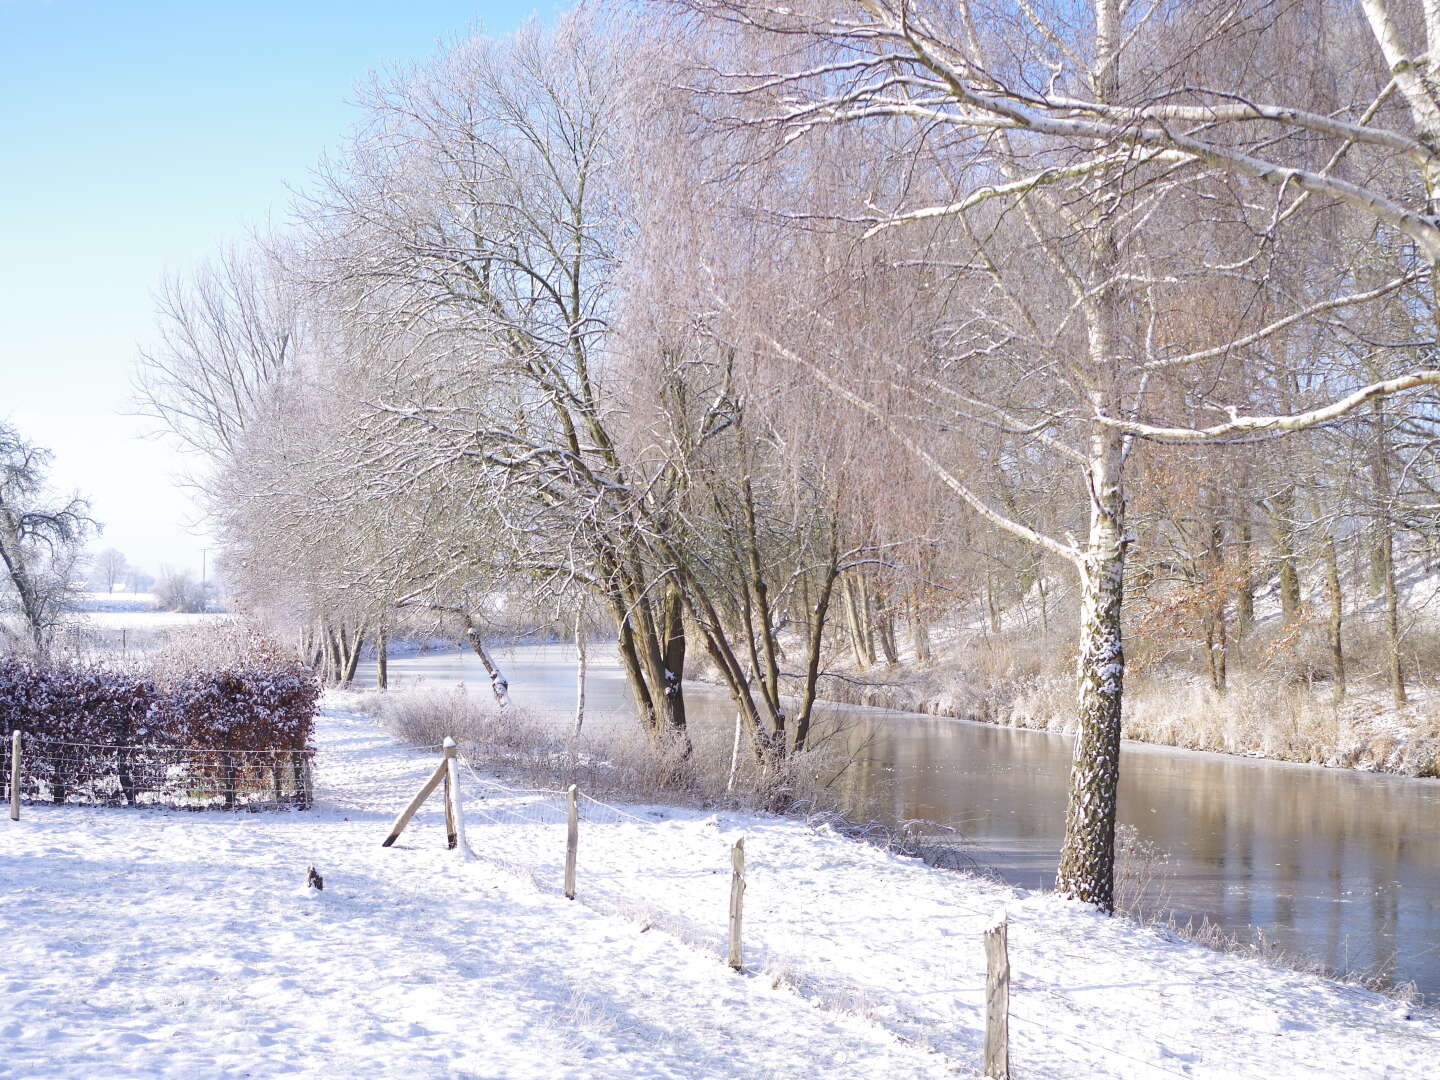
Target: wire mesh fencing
[169,777]
[629,862]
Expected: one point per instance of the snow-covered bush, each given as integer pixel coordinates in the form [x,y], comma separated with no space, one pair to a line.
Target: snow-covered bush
[218,733]
[73,714]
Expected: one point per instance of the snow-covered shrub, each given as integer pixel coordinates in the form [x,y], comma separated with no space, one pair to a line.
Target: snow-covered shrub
[214,646]
[76,715]
[189,734]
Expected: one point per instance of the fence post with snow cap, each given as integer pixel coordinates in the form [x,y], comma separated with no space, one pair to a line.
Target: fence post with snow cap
[454,818]
[997,1001]
[737,900]
[572,837]
[15,775]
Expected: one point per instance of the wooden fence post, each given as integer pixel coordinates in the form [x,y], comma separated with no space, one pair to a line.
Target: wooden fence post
[737,900]
[15,775]
[454,823]
[997,1002]
[572,838]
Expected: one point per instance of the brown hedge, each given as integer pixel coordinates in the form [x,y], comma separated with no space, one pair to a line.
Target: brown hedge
[232,735]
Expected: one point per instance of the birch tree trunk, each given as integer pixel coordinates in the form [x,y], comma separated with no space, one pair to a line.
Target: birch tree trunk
[1088,857]
[581,666]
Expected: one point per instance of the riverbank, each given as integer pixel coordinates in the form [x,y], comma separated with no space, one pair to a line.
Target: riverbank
[1012,685]
[186,944]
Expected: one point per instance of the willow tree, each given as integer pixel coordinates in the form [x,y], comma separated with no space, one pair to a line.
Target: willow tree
[468,234]
[1063,175]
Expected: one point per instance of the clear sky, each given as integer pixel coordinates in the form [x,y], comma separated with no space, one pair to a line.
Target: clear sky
[137,137]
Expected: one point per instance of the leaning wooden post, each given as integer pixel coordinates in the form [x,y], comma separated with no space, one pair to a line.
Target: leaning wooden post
[997,1002]
[452,794]
[415,804]
[572,837]
[737,899]
[15,775]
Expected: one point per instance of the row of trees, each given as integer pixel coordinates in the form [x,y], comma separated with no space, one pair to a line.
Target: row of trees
[781,332]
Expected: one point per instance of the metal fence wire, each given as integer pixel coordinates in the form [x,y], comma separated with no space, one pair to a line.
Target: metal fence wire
[167,777]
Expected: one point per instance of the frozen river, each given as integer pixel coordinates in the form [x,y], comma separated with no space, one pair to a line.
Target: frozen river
[1337,865]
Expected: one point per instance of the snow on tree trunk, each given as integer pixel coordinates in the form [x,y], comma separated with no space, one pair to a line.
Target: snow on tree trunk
[498,683]
[1087,860]
[382,661]
[581,665]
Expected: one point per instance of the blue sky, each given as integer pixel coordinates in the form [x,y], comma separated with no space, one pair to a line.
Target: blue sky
[135,138]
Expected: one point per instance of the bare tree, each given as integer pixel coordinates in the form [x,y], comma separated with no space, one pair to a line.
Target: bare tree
[40,541]
[225,334]
[177,590]
[110,567]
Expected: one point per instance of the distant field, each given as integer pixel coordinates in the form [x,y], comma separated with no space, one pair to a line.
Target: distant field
[122,624]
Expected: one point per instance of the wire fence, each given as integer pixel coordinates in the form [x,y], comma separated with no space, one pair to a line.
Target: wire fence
[168,777]
[629,863]
[634,864]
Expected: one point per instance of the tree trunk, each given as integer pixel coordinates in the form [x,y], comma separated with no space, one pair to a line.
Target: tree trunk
[1245,597]
[1285,555]
[857,624]
[333,656]
[919,631]
[1385,553]
[672,652]
[498,684]
[581,667]
[1087,860]
[382,661]
[885,632]
[991,610]
[1337,652]
[352,657]
[1215,629]
[813,646]
[634,670]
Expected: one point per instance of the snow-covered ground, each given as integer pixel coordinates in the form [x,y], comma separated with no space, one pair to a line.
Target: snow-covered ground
[148,944]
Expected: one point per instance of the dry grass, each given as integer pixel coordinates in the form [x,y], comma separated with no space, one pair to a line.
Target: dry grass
[1379,978]
[608,760]
[1258,716]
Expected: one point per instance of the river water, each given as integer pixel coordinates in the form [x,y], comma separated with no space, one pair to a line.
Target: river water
[1339,866]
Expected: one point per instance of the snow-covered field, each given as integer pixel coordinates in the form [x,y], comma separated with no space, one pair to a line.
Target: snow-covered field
[149,944]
